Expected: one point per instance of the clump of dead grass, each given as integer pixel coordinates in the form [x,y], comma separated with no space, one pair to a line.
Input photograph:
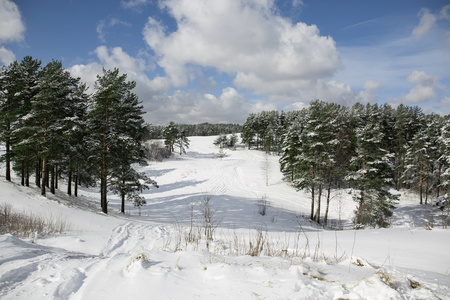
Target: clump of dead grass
[26,225]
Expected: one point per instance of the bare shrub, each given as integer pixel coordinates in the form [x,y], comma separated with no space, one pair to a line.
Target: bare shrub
[157,151]
[210,221]
[263,204]
[26,225]
[193,233]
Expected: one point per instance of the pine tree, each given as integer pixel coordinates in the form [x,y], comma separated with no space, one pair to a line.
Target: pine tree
[221,141]
[248,132]
[316,157]
[73,162]
[417,162]
[116,133]
[171,132]
[182,142]
[290,149]
[233,140]
[45,120]
[25,153]
[370,170]
[444,159]
[18,85]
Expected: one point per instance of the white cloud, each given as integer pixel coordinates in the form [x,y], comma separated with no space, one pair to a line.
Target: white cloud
[103,25]
[133,3]
[134,68]
[297,3]
[192,107]
[444,13]
[148,89]
[425,88]
[422,78]
[262,51]
[368,95]
[428,20]
[11,26]
[6,56]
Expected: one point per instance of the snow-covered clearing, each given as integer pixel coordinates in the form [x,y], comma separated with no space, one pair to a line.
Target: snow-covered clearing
[146,254]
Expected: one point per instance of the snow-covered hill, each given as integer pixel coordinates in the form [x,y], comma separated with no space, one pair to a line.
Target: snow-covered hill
[160,251]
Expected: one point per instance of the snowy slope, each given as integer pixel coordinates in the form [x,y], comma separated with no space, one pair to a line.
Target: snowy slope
[144,254]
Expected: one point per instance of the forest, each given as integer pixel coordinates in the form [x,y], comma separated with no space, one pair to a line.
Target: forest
[373,149]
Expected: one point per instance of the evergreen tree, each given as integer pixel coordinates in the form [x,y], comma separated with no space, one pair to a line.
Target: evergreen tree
[290,149]
[417,161]
[248,132]
[316,157]
[182,142]
[171,132]
[370,170]
[18,86]
[116,132]
[444,159]
[73,162]
[221,141]
[45,121]
[233,140]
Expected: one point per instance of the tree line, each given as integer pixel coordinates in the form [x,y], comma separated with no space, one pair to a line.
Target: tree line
[51,128]
[202,129]
[370,148]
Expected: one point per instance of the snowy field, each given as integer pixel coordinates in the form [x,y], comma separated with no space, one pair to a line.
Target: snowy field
[161,252]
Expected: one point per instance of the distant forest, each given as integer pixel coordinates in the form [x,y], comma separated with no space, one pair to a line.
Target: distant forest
[203,129]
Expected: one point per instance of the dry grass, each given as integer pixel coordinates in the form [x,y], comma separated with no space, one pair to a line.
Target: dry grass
[26,225]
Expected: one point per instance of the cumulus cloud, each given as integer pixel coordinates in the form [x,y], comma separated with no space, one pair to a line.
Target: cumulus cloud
[368,95]
[245,39]
[134,67]
[425,88]
[12,27]
[6,56]
[193,107]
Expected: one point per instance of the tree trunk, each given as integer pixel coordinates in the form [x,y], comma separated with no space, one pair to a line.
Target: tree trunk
[325,219]
[319,198]
[69,182]
[312,196]
[43,175]
[361,201]
[52,180]
[27,178]
[56,176]
[427,183]
[76,185]
[103,184]
[38,172]
[22,175]
[8,157]
[421,180]
[400,163]
[438,184]
[123,198]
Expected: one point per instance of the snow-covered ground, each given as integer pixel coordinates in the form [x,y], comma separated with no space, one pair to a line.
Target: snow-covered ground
[145,254]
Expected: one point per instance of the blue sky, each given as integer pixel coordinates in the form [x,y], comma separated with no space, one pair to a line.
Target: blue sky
[217,61]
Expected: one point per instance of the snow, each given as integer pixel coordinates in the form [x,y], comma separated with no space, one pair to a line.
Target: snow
[144,254]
